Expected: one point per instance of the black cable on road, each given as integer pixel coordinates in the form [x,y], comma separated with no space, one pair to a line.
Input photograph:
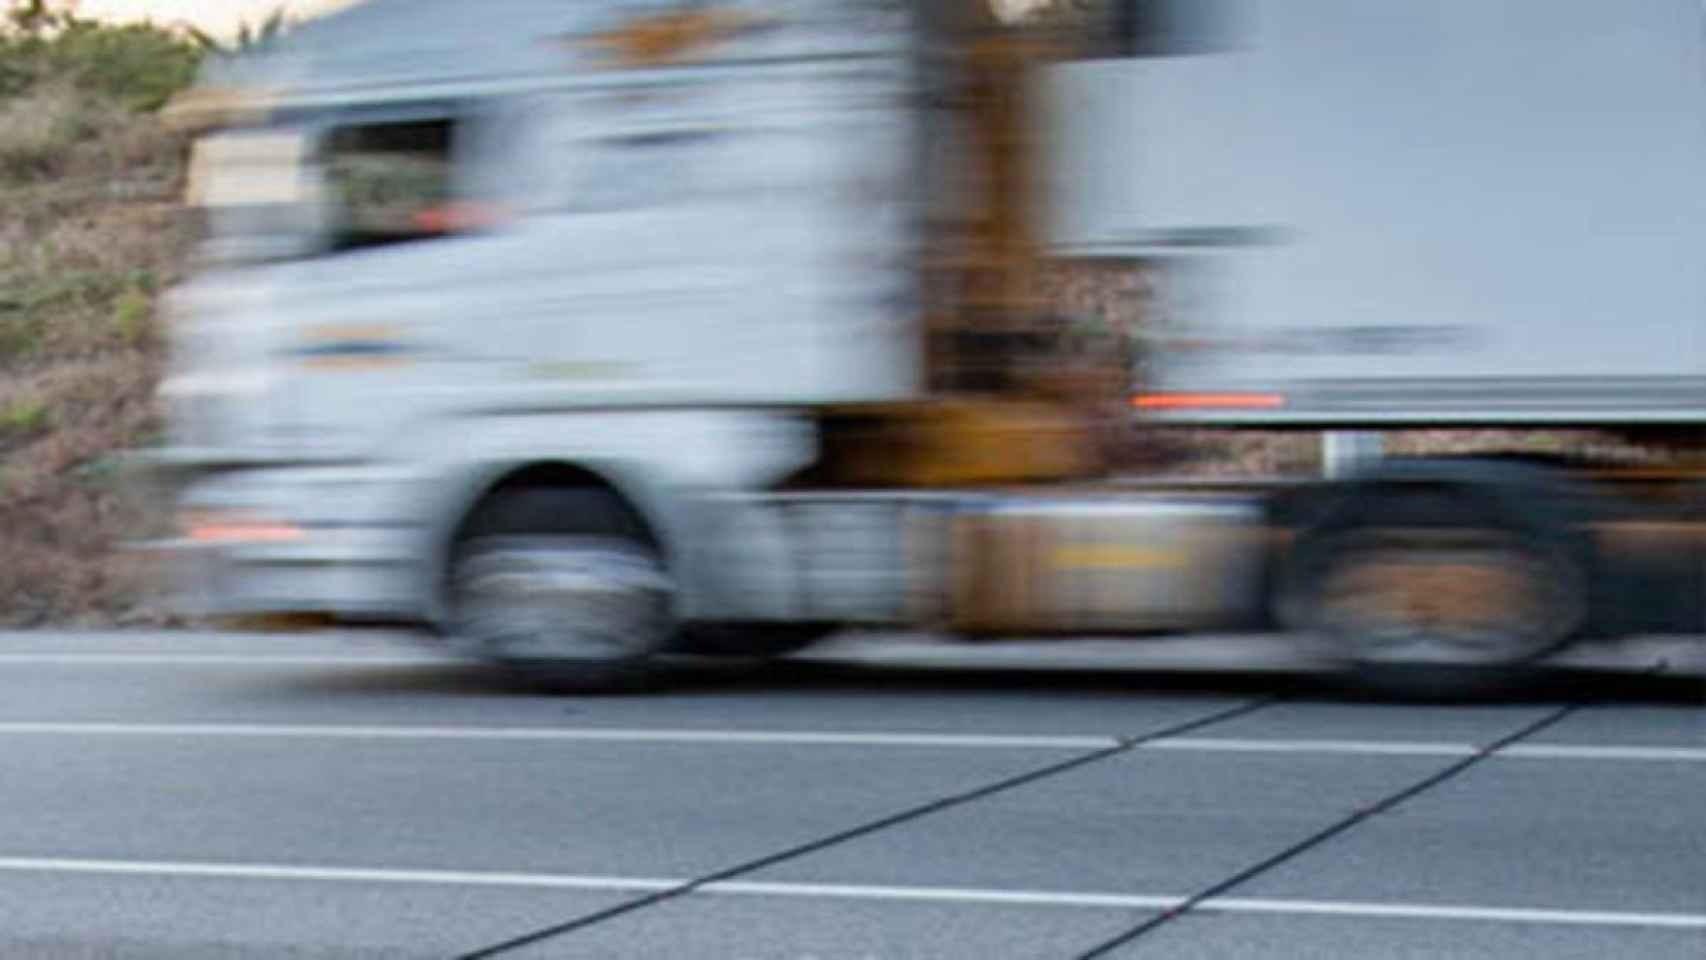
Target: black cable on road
[1317,839]
[1125,745]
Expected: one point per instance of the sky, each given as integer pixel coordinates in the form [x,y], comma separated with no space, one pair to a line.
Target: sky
[219,16]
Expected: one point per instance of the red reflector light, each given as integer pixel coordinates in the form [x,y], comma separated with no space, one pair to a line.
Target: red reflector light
[457,218]
[1208,401]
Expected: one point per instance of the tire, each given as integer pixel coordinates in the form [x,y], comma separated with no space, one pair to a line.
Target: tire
[1434,595]
[761,640]
[563,588]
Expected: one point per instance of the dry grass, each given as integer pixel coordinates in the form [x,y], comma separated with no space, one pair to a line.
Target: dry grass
[87,241]
[37,132]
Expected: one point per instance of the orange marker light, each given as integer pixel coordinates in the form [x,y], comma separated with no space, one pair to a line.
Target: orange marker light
[231,533]
[1208,401]
[227,528]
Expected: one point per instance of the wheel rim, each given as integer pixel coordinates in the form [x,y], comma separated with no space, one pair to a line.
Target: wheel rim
[590,599]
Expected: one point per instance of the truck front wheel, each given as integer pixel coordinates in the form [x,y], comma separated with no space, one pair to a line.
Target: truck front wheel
[563,588]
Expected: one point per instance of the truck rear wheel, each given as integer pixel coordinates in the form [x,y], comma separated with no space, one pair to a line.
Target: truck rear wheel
[563,588]
[1426,597]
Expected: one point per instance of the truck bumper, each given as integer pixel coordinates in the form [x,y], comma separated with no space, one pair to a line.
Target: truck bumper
[338,541]
[323,574]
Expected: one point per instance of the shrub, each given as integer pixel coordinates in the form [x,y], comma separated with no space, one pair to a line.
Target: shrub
[140,66]
[137,65]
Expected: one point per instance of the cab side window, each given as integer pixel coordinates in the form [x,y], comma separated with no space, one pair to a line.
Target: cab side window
[391,182]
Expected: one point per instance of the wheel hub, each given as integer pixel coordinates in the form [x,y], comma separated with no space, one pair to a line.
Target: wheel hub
[561,598]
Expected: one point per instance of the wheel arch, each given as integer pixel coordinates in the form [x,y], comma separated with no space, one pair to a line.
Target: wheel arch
[1527,491]
[461,500]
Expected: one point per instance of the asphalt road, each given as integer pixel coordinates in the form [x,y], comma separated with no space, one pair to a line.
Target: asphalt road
[199,796]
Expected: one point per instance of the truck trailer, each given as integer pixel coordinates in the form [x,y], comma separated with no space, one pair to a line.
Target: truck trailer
[583,334]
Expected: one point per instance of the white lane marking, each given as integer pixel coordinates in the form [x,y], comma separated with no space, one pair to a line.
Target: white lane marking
[951,895]
[270,871]
[1018,898]
[569,734]
[1403,748]
[225,659]
[1567,751]
[1396,748]
[1420,911]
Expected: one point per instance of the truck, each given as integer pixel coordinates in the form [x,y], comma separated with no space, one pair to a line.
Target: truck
[586,334]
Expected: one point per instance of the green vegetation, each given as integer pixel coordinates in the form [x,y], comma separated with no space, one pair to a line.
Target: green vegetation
[138,66]
[133,312]
[22,417]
